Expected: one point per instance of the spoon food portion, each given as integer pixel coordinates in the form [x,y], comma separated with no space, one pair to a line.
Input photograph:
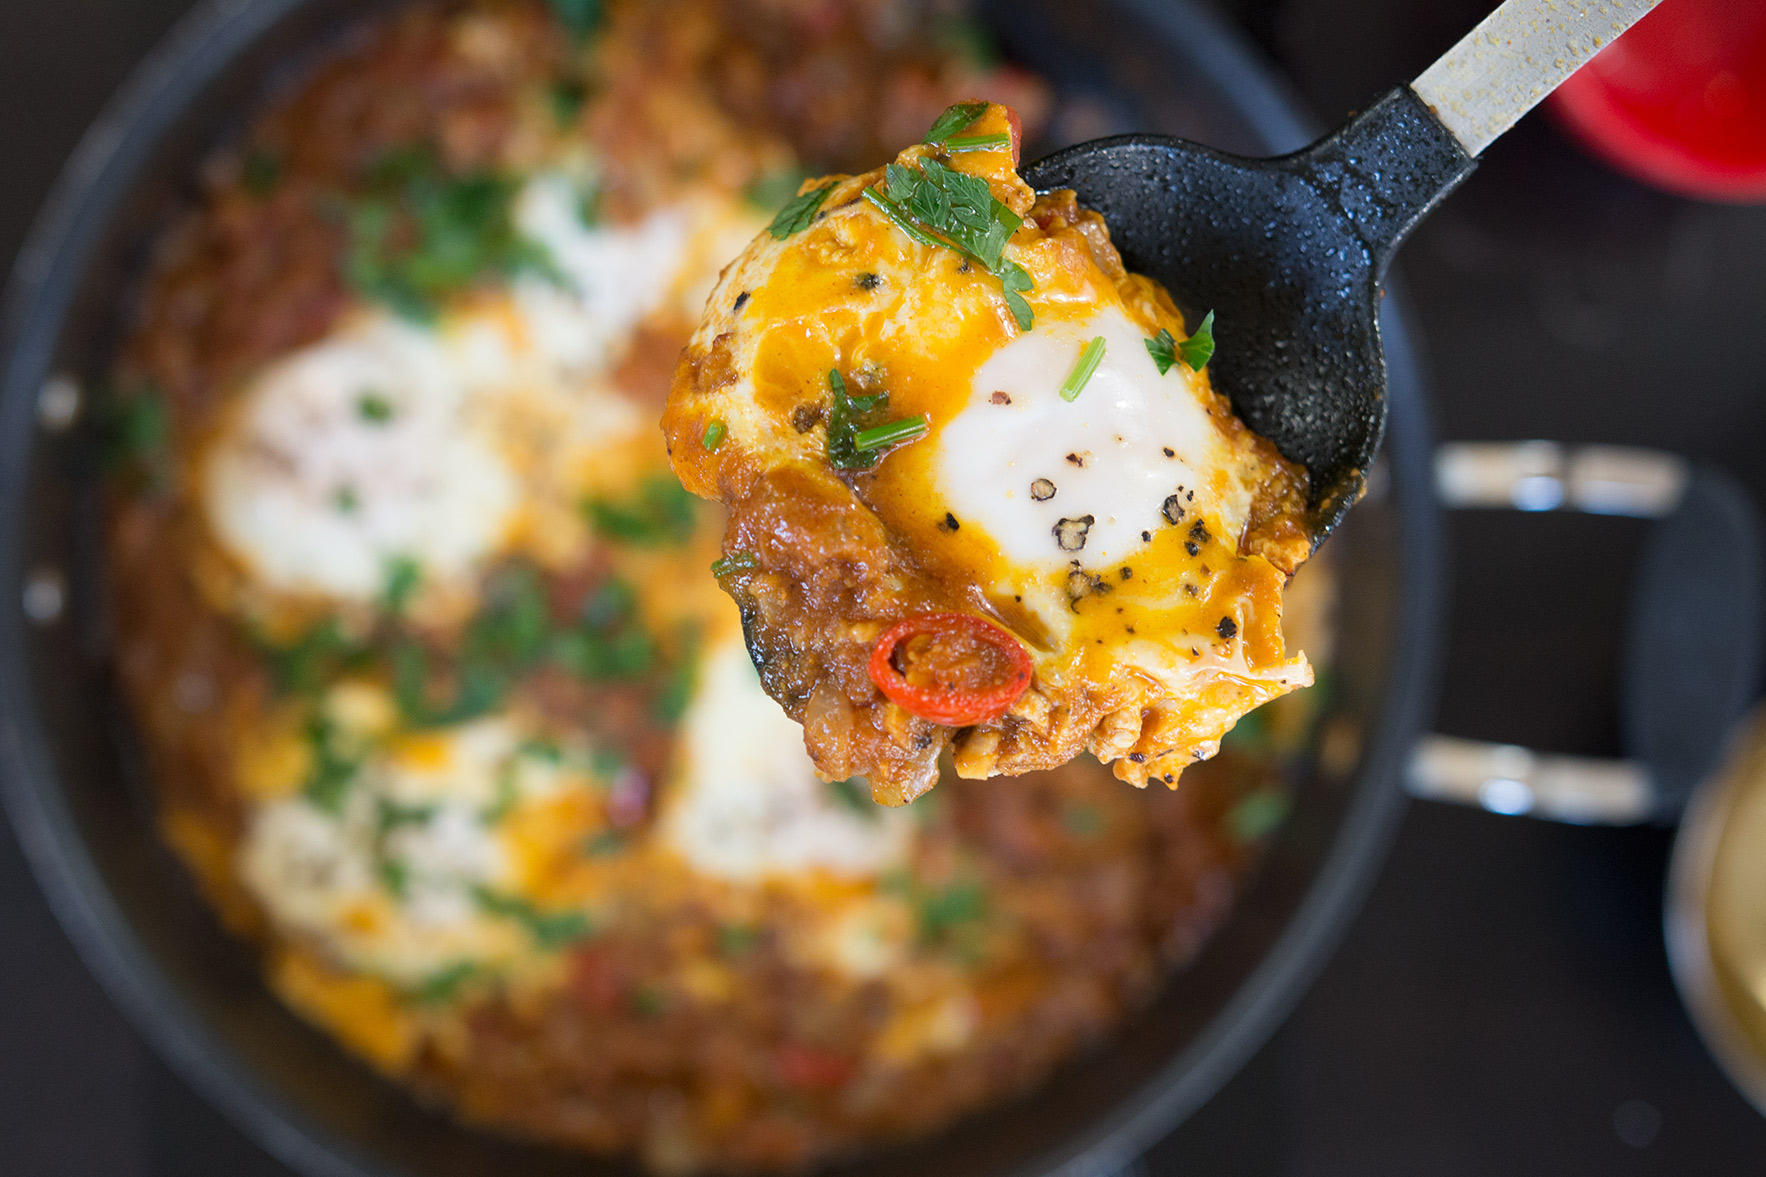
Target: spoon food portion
[980,491]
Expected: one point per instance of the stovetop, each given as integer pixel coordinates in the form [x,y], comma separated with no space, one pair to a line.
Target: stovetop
[1502,1005]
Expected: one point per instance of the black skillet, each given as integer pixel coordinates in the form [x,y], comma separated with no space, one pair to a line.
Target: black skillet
[77,797]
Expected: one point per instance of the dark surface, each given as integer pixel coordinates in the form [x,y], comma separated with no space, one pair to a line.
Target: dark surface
[1503,1004]
[1288,254]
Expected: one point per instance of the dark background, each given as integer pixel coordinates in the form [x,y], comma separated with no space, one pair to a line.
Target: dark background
[1503,1004]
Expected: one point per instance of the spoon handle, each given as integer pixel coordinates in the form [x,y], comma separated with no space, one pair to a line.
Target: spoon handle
[1514,58]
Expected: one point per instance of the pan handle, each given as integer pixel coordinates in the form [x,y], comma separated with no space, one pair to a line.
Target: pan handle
[1692,659]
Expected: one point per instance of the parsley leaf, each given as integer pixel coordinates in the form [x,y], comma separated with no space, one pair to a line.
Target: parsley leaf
[937,205]
[1163,349]
[331,771]
[419,234]
[955,120]
[549,929]
[848,416]
[798,212]
[661,514]
[1198,349]
[773,188]
[609,642]
[579,17]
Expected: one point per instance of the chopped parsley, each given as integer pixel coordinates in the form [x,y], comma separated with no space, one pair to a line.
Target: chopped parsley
[798,212]
[549,929]
[1195,351]
[608,641]
[567,98]
[682,675]
[417,234]
[1089,358]
[444,983]
[1198,349]
[1163,348]
[774,188]
[1258,814]
[302,666]
[734,562]
[137,434]
[331,769]
[715,432]
[661,514]
[854,795]
[579,17]
[403,575]
[260,172]
[955,120]
[857,437]
[374,406]
[936,205]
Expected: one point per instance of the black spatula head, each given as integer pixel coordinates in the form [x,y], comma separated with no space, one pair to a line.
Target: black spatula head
[1288,253]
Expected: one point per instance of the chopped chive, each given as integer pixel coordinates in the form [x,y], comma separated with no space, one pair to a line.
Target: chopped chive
[714,434]
[893,433]
[735,562]
[1198,349]
[978,143]
[1089,359]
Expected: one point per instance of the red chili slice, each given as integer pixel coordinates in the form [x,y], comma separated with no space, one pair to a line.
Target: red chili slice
[1016,125]
[951,668]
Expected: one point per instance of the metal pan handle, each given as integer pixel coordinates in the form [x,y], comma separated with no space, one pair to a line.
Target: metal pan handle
[1692,658]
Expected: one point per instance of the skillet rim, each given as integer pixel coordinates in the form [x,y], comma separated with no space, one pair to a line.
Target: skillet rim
[47,272]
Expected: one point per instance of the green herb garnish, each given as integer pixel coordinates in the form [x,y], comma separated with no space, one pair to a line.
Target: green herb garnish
[374,406]
[774,188]
[715,431]
[936,205]
[1089,358]
[649,1001]
[798,212]
[1198,349]
[955,120]
[854,795]
[331,771]
[941,912]
[549,929]
[893,433]
[403,575]
[566,98]
[1163,349]
[603,843]
[609,642]
[1082,820]
[1195,351]
[418,234]
[579,17]
[856,438]
[301,667]
[676,690]
[1258,814]
[735,940]
[661,514]
[443,984]
[734,562]
[260,172]
[961,143]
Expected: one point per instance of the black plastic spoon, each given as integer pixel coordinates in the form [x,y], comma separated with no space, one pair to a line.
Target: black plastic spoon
[1289,252]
